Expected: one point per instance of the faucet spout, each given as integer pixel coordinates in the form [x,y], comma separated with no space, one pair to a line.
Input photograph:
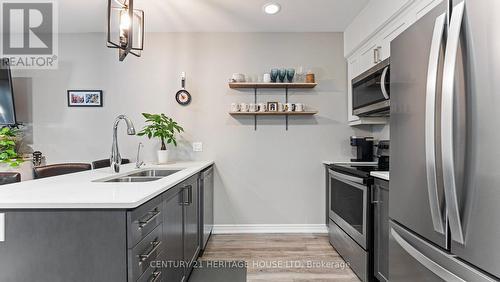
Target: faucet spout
[139,162]
[116,159]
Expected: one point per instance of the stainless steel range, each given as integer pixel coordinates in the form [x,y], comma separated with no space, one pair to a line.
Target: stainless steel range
[350,212]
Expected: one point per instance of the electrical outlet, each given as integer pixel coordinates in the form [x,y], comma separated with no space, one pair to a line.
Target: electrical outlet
[197,147]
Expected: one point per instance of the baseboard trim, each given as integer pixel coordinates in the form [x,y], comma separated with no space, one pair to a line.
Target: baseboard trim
[269,228]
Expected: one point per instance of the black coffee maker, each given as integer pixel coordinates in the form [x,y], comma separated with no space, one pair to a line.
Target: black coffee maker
[364,148]
[383,154]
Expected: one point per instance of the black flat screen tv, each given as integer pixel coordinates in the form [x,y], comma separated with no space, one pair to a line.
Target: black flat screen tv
[7,109]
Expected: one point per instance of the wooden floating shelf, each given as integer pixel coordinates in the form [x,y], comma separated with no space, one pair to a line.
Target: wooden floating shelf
[306,113]
[277,85]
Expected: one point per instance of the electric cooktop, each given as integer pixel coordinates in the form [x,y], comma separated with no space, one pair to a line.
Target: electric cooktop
[356,170]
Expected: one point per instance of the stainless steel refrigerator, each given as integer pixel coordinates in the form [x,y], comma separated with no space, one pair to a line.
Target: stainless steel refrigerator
[444,201]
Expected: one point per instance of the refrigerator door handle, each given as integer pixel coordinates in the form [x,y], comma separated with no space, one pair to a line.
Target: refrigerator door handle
[382,83]
[428,263]
[430,124]
[450,188]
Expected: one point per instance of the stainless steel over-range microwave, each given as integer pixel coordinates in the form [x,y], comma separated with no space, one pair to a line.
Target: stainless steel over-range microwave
[371,91]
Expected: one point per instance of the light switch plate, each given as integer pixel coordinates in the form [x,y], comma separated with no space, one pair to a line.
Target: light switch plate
[2,227]
[197,147]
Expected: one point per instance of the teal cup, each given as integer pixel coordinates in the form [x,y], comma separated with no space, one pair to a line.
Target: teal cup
[282,75]
[290,73]
[274,75]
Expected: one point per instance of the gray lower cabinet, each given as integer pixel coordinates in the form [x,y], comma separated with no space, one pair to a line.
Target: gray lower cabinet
[191,223]
[145,240]
[381,229]
[64,245]
[158,241]
[174,270]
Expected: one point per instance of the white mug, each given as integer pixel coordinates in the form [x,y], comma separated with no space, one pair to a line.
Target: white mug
[244,107]
[238,77]
[299,107]
[289,107]
[262,107]
[235,107]
[266,78]
[253,108]
[281,107]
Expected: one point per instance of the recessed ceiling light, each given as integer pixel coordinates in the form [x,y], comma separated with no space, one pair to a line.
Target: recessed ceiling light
[272,8]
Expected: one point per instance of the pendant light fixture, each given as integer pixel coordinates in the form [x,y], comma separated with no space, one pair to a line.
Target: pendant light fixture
[125,28]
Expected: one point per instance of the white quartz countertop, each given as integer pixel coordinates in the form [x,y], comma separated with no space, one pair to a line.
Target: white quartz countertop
[380,174]
[80,191]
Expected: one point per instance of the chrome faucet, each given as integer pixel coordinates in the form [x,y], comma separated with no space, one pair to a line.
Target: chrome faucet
[138,162]
[115,158]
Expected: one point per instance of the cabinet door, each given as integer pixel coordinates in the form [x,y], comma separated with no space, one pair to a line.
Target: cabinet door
[206,204]
[172,230]
[381,230]
[368,57]
[191,222]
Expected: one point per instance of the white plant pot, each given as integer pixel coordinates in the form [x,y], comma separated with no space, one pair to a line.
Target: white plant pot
[162,156]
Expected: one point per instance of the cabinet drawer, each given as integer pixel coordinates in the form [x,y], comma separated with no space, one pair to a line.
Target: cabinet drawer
[151,275]
[140,257]
[350,251]
[142,220]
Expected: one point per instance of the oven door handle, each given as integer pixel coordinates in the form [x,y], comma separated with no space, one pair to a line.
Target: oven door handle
[353,180]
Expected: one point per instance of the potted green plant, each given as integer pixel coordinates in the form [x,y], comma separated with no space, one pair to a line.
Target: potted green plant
[162,127]
[8,152]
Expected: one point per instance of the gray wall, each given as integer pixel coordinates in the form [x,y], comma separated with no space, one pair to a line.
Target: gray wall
[268,176]
[381,132]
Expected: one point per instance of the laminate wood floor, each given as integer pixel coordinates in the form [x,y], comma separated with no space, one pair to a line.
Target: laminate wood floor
[281,257]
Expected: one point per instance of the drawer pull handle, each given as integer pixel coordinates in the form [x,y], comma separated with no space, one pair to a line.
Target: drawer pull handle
[152,215]
[189,200]
[155,244]
[156,275]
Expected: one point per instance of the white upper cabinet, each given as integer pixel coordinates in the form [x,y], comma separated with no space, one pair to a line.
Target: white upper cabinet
[369,21]
[367,40]
[368,57]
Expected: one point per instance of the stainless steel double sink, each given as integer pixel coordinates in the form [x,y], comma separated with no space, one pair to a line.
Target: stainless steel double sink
[147,175]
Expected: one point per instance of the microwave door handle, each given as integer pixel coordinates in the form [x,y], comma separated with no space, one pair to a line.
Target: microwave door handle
[430,124]
[382,83]
[447,145]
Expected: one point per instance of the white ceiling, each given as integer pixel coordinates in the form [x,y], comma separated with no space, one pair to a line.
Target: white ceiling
[216,15]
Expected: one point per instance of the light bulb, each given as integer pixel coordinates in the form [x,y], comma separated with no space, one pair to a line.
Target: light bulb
[271,8]
[124,20]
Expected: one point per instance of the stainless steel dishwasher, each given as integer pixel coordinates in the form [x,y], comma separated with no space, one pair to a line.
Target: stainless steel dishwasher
[206,206]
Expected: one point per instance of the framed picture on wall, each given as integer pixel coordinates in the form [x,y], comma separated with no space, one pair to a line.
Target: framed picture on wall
[272,106]
[84,98]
